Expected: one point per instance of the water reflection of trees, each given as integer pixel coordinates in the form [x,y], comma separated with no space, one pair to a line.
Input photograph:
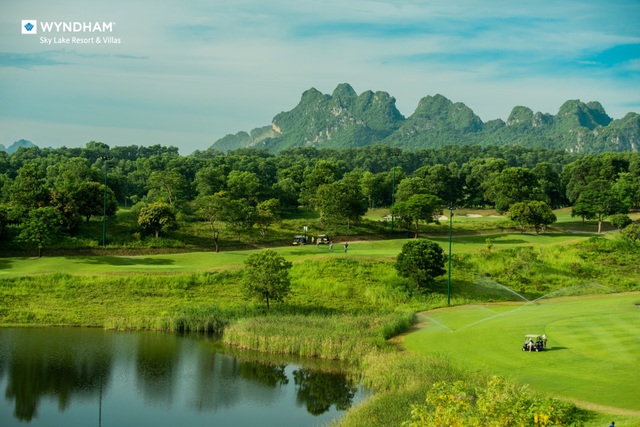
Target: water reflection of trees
[48,363]
[320,390]
[156,364]
[66,364]
[265,374]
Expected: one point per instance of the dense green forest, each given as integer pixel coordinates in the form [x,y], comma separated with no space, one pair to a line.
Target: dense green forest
[46,195]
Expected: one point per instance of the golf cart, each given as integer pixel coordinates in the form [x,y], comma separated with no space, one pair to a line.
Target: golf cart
[534,342]
[299,240]
[323,239]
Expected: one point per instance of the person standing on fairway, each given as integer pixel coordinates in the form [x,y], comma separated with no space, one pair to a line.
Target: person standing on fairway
[346,246]
[331,246]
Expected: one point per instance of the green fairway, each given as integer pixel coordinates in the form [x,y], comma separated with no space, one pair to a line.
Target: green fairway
[593,345]
[208,261]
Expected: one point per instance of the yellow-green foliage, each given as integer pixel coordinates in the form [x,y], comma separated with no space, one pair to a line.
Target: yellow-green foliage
[498,403]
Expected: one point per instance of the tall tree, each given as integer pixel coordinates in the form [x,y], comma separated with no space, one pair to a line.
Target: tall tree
[214,209]
[28,190]
[157,217]
[598,200]
[266,213]
[419,207]
[170,182]
[322,173]
[90,200]
[550,185]
[515,185]
[42,226]
[341,201]
[410,187]
[245,185]
[266,276]
[240,215]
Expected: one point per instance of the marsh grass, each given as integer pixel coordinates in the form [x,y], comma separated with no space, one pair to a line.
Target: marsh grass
[342,337]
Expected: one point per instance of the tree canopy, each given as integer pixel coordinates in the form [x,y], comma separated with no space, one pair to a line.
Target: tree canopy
[422,261]
[266,277]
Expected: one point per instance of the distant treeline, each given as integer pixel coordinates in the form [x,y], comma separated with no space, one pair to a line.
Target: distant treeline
[71,180]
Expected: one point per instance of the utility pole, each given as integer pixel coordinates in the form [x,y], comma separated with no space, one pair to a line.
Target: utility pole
[393,189]
[104,216]
[450,238]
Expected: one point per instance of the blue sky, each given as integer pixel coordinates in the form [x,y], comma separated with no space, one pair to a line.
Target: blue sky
[186,73]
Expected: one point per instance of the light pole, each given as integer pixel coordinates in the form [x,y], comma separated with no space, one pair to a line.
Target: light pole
[450,238]
[393,188]
[104,216]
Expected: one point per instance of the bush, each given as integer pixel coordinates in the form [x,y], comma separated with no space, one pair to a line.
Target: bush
[620,221]
[498,403]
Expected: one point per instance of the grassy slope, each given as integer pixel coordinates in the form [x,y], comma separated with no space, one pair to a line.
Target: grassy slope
[593,345]
[325,283]
[210,261]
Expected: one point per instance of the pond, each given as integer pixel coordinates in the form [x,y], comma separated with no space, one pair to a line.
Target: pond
[92,377]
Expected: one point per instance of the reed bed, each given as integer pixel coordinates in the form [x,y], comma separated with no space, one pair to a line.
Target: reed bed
[340,337]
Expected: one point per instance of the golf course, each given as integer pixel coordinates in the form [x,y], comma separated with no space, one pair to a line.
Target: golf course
[592,352]
[559,284]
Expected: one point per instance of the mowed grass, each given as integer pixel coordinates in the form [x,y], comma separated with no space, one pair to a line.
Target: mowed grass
[211,261]
[593,345]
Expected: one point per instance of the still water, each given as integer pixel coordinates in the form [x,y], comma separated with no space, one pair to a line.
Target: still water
[89,377]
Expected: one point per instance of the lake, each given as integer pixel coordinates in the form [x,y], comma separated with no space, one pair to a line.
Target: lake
[91,377]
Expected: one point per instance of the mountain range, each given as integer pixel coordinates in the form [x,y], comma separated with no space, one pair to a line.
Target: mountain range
[345,119]
[14,147]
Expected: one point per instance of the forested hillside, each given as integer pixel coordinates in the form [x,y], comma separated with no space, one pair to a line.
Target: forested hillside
[347,120]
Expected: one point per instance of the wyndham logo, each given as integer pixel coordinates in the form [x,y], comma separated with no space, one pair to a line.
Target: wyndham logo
[29,26]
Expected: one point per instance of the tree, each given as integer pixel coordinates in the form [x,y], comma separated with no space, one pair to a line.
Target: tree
[157,217]
[68,208]
[409,187]
[210,180]
[90,200]
[171,182]
[245,185]
[266,276]
[479,175]
[41,227]
[550,184]
[266,214]
[240,215]
[628,188]
[28,190]
[213,209]
[532,213]
[323,172]
[515,185]
[3,220]
[419,207]
[598,200]
[372,188]
[422,261]
[341,201]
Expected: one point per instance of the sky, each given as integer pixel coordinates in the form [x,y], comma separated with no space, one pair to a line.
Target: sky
[186,73]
